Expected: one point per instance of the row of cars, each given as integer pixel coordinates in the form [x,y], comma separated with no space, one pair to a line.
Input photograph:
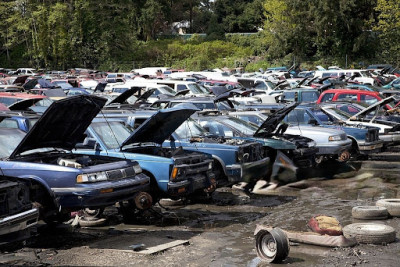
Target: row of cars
[85,152]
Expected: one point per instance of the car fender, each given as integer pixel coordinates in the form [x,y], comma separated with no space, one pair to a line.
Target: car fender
[220,162]
[43,183]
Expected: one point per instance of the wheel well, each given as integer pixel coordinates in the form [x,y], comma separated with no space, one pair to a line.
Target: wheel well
[154,189]
[354,144]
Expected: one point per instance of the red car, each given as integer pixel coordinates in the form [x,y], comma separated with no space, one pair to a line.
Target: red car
[364,96]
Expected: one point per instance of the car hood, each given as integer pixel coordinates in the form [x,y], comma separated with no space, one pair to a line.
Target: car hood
[161,125]
[62,125]
[270,124]
[24,104]
[124,96]
[367,110]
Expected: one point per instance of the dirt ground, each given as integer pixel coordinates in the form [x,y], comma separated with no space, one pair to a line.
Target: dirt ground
[220,232]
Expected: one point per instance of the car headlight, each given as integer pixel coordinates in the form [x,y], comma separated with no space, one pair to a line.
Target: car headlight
[311,144]
[137,168]
[177,172]
[91,177]
[334,138]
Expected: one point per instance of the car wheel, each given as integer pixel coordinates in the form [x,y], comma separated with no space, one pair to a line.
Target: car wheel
[369,213]
[392,205]
[272,246]
[370,233]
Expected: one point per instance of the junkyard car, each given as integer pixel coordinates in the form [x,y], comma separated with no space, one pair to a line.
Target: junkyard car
[234,160]
[174,172]
[299,149]
[331,143]
[17,214]
[389,131]
[365,140]
[61,181]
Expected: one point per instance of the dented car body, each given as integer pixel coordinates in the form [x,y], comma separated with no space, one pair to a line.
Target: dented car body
[60,180]
[174,172]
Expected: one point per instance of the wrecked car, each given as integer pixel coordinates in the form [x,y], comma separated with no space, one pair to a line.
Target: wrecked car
[60,181]
[174,172]
[17,213]
[234,160]
[389,131]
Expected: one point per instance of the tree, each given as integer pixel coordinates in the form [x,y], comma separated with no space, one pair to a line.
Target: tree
[388,29]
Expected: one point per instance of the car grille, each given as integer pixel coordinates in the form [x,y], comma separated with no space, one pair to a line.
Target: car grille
[120,173]
[193,165]
[254,152]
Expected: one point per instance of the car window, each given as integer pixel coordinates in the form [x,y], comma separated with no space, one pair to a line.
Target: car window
[217,128]
[327,97]
[309,96]
[347,97]
[290,96]
[368,99]
[298,116]
[181,87]
[9,123]
[251,118]
[348,109]
[112,139]
[9,141]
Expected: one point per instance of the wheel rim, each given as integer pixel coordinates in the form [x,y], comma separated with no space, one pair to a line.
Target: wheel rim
[268,246]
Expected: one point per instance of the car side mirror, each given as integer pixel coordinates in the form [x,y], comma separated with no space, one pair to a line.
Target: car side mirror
[89,143]
[313,122]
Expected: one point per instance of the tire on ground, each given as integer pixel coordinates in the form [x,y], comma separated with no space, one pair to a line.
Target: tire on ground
[391,204]
[370,233]
[369,213]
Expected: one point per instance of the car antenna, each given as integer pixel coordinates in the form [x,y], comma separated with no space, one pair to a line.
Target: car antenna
[115,137]
[191,134]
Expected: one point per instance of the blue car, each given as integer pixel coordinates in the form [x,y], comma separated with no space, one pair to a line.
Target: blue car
[234,160]
[61,181]
[174,172]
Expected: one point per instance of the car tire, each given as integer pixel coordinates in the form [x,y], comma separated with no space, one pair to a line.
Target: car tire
[83,222]
[369,213]
[370,233]
[391,204]
[272,245]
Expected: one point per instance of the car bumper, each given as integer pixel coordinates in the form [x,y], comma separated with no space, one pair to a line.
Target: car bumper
[390,139]
[194,183]
[334,148]
[101,194]
[19,222]
[248,172]
[370,147]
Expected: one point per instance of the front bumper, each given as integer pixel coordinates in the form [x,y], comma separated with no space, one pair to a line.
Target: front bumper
[19,222]
[390,139]
[101,194]
[334,148]
[192,184]
[370,147]
[249,171]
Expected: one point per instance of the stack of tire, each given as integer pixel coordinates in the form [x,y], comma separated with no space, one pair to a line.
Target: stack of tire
[373,233]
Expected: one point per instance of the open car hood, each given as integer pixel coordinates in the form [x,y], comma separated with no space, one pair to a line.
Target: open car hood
[367,110]
[63,124]
[121,99]
[145,95]
[270,124]
[161,125]
[24,104]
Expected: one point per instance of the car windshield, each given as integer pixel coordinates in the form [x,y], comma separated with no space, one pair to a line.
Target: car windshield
[190,128]
[166,90]
[322,116]
[339,114]
[63,85]
[365,73]
[112,134]
[240,125]
[196,89]
[9,140]
[309,96]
